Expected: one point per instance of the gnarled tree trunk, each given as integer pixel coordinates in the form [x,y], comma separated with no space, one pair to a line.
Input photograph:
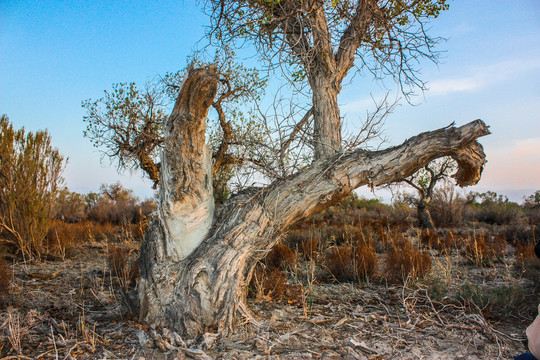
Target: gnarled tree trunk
[424,217]
[195,267]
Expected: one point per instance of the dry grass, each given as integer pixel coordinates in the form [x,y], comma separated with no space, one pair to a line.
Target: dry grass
[281,256]
[309,248]
[480,249]
[524,251]
[405,261]
[347,263]
[270,283]
[123,265]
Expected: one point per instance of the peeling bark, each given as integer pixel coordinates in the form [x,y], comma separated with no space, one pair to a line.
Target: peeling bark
[193,291]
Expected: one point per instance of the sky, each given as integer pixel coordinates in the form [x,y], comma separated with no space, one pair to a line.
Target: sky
[55,54]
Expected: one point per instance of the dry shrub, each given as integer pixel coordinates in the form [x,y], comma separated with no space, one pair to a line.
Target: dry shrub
[524,251]
[296,236]
[309,248]
[281,256]
[271,283]
[122,265]
[497,244]
[63,237]
[430,239]
[480,249]
[433,240]
[349,264]
[6,275]
[405,261]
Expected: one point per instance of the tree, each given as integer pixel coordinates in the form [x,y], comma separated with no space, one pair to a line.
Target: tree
[195,261]
[209,257]
[322,40]
[424,182]
[127,123]
[30,176]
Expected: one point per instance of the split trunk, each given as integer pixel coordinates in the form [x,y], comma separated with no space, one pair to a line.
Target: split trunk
[195,263]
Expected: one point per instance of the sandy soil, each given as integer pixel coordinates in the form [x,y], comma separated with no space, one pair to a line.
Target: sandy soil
[79,315]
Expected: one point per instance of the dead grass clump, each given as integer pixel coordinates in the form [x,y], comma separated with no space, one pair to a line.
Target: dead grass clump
[123,266]
[480,249]
[101,231]
[430,239]
[281,256]
[366,261]
[6,275]
[433,240]
[271,283]
[309,248]
[346,263]
[524,251]
[405,261]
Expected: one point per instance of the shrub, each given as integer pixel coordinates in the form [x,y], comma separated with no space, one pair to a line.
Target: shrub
[494,209]
[271,283]
[480,249]
[122,265]
[308,248]
[70,206]
[404,261]
[495,302]
[447,206]
[30,176]
[349,264]
[281,256]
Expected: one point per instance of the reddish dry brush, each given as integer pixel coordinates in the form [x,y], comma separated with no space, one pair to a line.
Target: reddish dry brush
[123,265]
[281,256]
[480,248]
[309,249]
[405,261]
[349,263]
[271,283]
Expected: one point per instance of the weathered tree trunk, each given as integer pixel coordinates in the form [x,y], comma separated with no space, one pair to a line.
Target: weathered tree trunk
[424,217]
[326,118]
[198,281]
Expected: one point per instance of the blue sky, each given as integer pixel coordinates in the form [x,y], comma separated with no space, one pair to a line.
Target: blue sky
[55,54]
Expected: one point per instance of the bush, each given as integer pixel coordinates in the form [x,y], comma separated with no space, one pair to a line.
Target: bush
[281,256]
[495,302]
[446,206]
[346,263]
[30,175]
[480,248]
[494,209]
[271,283]
[405,261]
[309,248]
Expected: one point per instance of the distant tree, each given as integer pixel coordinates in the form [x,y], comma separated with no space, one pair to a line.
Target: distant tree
[492,208]
[30,176]
[424,182]
[69,205]
[532,201]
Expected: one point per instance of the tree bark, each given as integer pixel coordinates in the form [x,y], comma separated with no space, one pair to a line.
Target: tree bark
[202,285]
[326,117]
[424,217]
